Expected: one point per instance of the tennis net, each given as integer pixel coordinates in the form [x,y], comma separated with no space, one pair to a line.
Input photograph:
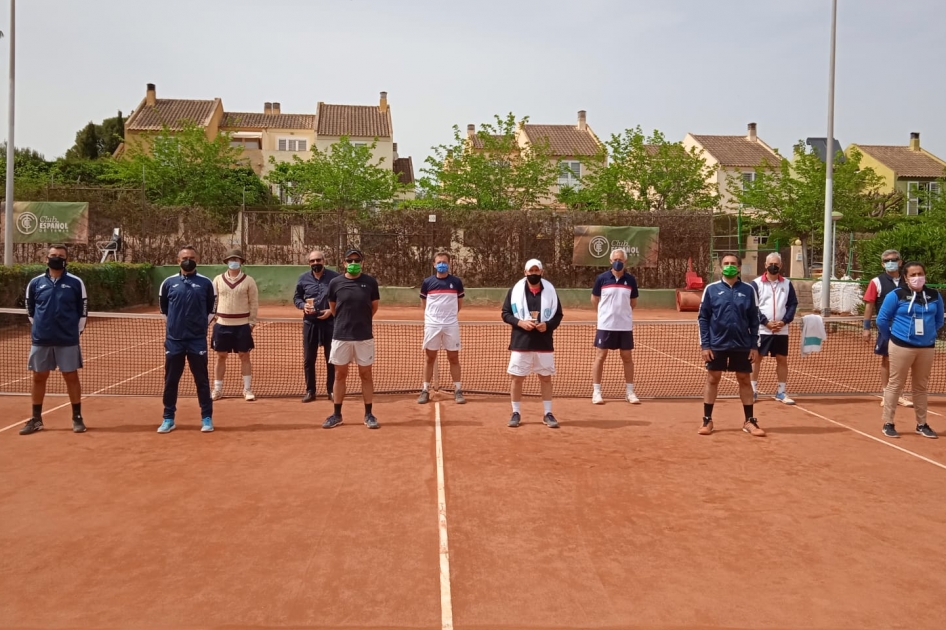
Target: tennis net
[124,355]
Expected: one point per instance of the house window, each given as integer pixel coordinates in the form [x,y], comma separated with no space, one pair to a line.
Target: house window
[245,143]
[747,178]
[285,195]
[359,144]
[290,144]
[569,174]
[920,196]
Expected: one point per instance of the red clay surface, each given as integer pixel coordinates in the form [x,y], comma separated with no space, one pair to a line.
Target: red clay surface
[623,518]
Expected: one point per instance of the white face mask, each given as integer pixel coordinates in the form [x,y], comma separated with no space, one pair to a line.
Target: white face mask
[234,264]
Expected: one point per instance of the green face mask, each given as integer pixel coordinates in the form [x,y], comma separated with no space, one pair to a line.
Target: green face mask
[353,268]
[730,271]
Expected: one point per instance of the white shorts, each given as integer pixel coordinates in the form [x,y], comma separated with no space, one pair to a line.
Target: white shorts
[344,352]
[526,363]
[442,337]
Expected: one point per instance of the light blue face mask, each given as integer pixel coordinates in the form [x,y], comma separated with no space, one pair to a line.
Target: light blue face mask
[234,264]
[891,266]
[442,267]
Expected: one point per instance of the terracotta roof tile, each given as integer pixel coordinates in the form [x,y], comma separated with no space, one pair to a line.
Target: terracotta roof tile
[477,142]
[738,151]
[652,149]
[564,140]
[404,167]
[359,121]
[256,120]
[904,161]
[173,113]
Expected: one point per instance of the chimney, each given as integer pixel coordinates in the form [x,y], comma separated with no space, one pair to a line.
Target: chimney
[471,131]
[267,108]
[915,141]
[151,97]
[582,123]
[394,149]
[276,109]
[383,105]
[752,137]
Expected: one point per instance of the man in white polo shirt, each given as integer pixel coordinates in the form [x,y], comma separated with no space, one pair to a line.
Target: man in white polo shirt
[615,296]
[442,295]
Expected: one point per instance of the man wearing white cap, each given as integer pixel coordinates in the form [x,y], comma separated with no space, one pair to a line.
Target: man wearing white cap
[534,312]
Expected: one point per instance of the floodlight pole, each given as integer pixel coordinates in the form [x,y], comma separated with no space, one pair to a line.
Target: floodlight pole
[828,255]
[11,147]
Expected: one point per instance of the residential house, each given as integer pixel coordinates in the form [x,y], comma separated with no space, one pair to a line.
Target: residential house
[820,147]
[571,148]
[909,169]
[734,157]
[272,133]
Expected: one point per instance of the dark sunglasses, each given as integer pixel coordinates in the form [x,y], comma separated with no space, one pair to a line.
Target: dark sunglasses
[887,260]
[315,260]
[353,260]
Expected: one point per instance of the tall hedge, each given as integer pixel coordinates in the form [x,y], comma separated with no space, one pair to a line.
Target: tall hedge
[111,286]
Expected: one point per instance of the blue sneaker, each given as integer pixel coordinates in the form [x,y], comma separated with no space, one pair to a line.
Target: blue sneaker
[784,399]
[167,426]
[207,425]
[755,397]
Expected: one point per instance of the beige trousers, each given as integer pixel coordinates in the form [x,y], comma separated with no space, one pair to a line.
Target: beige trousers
[916,363]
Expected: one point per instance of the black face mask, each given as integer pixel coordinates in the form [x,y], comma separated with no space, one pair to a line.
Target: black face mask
[773,269]
[56,262]
[534,278]
[317,267]
[188,265]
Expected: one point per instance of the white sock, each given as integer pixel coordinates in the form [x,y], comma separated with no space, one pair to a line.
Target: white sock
[426,386]
[515,407]
[247,383]
[782,387]
[456,385]
[548,406]
[597,388]
[630,388]
[755,386]
[218,385]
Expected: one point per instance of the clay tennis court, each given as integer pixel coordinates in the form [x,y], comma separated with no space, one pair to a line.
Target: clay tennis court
[623,518]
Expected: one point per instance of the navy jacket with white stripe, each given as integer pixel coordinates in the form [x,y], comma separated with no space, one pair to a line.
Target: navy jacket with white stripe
[189,304]
[57,309]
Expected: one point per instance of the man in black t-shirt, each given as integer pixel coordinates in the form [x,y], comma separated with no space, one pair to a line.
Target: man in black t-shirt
[353,299]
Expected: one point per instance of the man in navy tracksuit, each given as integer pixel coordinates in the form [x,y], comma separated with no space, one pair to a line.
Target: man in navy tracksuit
[188,301]
[57,306]
[729,340]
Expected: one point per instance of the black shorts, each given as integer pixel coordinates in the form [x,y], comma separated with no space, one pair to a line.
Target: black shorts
[730,361]
[773,345]
[881,347]
[232,338]
[614,339]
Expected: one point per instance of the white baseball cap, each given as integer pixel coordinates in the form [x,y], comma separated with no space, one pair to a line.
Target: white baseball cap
[533,262]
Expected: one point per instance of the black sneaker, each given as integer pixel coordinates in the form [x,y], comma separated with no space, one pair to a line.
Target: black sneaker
[371,422]
[424,397]
[550,421]
[332,421]
[309,397]
[890,431]
[515,420]
[925,430]
[32,426]
[78,425]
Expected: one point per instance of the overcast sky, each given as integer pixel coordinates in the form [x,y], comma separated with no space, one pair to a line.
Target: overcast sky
[674,65]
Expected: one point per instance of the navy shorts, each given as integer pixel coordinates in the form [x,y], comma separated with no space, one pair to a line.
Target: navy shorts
[773,345]
[880,346]
[730,361]
[614,339]
[232,338]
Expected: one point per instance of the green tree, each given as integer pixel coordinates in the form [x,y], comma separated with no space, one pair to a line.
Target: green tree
[342,178]
[789,199]
[184,168]
[31,171]
[494,174]
[87,143]
[95,141]
[635,172]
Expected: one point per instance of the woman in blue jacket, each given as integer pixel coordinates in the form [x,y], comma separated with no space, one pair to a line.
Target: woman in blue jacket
[910,317]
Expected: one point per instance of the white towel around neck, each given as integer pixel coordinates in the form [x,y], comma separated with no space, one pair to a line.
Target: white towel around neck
[520,307]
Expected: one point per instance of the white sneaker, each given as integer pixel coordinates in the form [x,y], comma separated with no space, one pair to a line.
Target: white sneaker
[597,399]
[216,394]
[633,399]
[903,402]
[783,398]
[248,395]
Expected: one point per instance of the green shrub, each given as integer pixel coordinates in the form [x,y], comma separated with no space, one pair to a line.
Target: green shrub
[110,286]
[921,240]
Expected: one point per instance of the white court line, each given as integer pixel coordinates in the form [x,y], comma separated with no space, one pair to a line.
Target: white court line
[104,389]
[874,438]
[446,602]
